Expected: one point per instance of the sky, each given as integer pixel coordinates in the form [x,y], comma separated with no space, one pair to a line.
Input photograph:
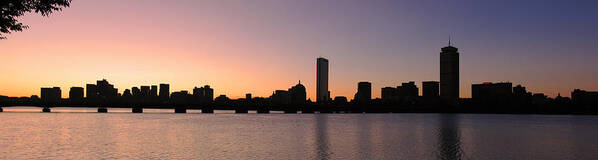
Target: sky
[258,46]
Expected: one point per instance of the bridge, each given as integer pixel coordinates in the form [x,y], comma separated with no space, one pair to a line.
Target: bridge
[262,109]
[245,108]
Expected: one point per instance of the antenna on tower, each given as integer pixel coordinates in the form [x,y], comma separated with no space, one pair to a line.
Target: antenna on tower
[449,40]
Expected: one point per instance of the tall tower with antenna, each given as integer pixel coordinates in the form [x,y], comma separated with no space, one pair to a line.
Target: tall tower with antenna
[449,74]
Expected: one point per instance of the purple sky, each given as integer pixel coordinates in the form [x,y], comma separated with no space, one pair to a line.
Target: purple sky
[258,46]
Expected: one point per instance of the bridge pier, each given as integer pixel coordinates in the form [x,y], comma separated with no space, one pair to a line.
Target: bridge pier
[207,110]
[290,111]
[102,110]
[308,109]
[325,111]
[180,109]
[46,109]
[263,110]
[241,109]
[137,110]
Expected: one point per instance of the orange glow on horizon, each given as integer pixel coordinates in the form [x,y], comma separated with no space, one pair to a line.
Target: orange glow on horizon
[239,49]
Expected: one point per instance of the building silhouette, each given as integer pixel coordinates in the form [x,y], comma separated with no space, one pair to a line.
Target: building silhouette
[408,89]
[584,98]
[298,94]
[136,92]
[180,98]
[204,94]
[340,100]
[154,91]
[364,93]
[519,91]
[388,94]
[208,94]
[449,74]
[430,89]
[105,91]
[91,93]
[406,92]
[322,93]
[145,91]
[521,96]
[127,93]
[221,99]
[164,92]
[248,96]
[51,96]
[280,97]
[486,97]
[492,93]
[76,95]
[539,99]
[197,95]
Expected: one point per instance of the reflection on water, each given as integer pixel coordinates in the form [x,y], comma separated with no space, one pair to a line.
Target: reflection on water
[364,138]
[322,137]
[449,140]
[77,135]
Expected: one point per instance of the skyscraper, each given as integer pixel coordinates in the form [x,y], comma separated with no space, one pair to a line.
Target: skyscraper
[364,92]
[164,91]
[449,74]
[322,94]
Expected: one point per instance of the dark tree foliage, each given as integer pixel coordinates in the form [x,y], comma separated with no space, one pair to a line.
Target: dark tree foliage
[10,10]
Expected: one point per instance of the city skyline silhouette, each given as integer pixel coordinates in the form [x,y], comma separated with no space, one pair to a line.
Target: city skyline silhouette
[273,50]
[455,65]
[449,68]
[298,79]
[436,97]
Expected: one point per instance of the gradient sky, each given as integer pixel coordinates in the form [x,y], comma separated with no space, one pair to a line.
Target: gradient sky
[257,46]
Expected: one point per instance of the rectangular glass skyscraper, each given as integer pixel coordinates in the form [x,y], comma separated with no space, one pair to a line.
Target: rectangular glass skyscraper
[449,74]
[322,94]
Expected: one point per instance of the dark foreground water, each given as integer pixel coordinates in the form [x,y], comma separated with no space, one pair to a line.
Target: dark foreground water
[292,136]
